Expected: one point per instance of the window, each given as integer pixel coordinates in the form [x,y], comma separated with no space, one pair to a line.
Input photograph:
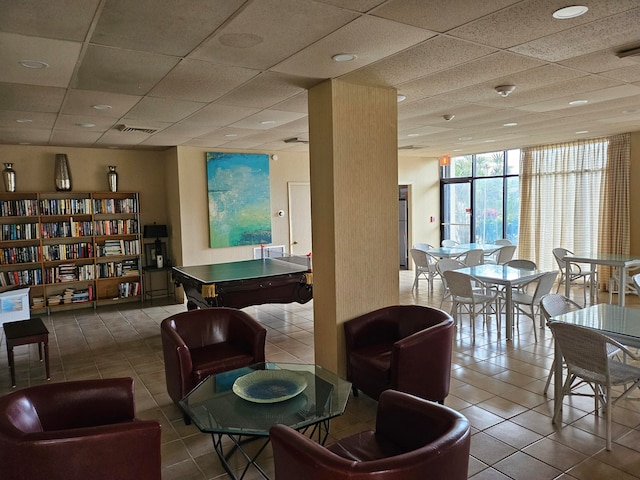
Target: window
[480,197]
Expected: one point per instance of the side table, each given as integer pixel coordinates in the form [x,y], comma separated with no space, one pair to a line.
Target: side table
[24,332]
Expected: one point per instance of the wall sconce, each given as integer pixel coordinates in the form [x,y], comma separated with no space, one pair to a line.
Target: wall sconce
[445,161]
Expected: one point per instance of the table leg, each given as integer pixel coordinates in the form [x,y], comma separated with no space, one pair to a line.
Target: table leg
[46,359]
[622,285]
[557,382]
[12,366]
[237,446]
[509,312]
[567,279]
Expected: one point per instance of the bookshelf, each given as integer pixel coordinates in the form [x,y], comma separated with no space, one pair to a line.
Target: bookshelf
[73,249]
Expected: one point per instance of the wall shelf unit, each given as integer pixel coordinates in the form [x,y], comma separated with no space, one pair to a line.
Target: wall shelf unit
[73,249]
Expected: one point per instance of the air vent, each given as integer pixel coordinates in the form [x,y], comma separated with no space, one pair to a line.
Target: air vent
[130,129]
[409,147]
[634,52]
[295,140]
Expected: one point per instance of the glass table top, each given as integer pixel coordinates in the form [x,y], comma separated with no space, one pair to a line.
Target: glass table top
[215,408]
[621,323]
[500,273]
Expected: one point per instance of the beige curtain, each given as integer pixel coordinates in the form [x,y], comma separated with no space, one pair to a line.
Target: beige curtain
[560,205]
[614,231]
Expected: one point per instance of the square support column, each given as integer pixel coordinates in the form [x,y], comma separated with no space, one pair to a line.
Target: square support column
[354,208]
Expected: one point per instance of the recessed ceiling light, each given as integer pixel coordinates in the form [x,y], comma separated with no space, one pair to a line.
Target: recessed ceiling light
[24,120]
[570,12]
[267,122]
[582,131]
[36,64]
[578,102]
[230,135]
[24,143]
[631,110]
[344,57]
[401,98]
[489,141]
[457,149]
[510,124]
[462,139]
[86,125]
[413,134]
[101,107]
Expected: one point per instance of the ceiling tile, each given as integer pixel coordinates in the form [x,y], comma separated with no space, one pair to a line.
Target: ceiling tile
[162,110]
[81,102]
[219,115]
[61,56]
[268,31]
[9,119]
[357,5]
[68,21]
[73,122]
[529,20]
[266,90]
[315,60]
[201,81]
[30,98]
[174,29]
[121,71]
[433,55]
[609,32]
[594,96]
[598,62]
[278,118]
[439,15]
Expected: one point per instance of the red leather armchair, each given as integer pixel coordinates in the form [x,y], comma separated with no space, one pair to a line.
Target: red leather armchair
[75,431]
[415,439]
[403,347]
[199,343]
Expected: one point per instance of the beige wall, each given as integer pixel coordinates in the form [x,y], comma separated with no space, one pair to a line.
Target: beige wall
[138,171]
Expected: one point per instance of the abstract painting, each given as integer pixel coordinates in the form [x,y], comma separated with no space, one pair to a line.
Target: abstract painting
[239,199]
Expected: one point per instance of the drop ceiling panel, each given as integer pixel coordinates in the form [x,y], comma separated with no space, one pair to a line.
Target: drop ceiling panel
[81,102]
[626,74]
[530,20]
[257,121]
[75,139]
[607,33]
[162,110]
[121,71]
[298,103]
[14,136]
[439,15]
[593,97]
[492,66]
[433,55]
[266,90]
[9,119]
[68,21]
[30,98]
[268,31]
[174,29]
[219,115]
[356,5]
[201,81]
[599,62]
[315,60]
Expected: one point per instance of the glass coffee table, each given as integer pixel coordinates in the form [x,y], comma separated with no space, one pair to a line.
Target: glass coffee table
[303,397]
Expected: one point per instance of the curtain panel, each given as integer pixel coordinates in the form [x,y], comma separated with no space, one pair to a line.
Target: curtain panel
[570,193]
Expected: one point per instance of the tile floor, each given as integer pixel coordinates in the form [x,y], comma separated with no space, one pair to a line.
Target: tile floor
[497,385]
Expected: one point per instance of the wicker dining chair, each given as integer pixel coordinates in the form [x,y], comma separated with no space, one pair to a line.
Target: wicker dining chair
[574,273]
[529,304]
[425,267]
[586,354]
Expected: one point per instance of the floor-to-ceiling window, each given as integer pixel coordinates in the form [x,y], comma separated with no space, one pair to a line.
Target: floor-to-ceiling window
[480,197]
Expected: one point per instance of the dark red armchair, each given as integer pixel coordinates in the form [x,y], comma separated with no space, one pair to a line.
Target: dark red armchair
[415,439]
[76,431]
[199,343]
[403,347]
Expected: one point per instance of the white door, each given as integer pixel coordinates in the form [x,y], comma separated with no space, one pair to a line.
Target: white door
[299,218]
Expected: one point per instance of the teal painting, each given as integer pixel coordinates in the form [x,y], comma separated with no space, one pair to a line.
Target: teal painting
[239,199]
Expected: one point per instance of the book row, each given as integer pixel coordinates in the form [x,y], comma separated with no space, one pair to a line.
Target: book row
[67,206]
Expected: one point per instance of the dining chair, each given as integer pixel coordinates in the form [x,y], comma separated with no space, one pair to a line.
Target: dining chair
[633,268]
[522,264]
[473,257]
[575,273]
[501,256]
[586,354]
[552,305]
[449,243]
[442,266]
[636,283]
[502,241]
[464,295]
[425,267]
[530,304]
[423,246]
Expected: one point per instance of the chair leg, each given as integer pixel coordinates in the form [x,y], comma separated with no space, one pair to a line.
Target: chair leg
[355,390]
[549,377]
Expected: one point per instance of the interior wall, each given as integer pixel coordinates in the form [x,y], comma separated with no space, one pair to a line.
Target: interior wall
[191,195]
[138,171]
[423,177]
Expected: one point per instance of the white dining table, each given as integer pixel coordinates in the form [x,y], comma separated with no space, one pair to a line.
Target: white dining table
[619,261]
[620,323]
[507,277]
